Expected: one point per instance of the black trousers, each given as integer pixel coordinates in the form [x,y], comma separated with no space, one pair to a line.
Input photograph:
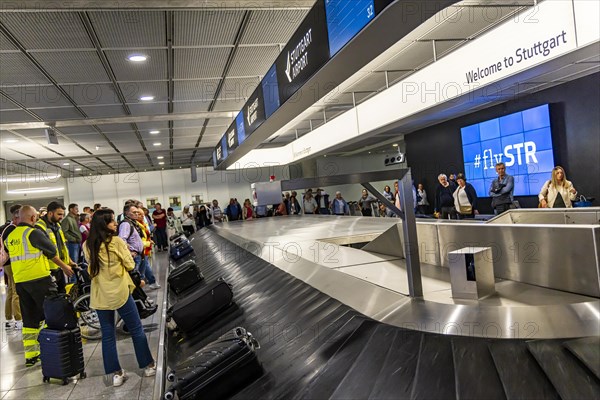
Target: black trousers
[448,213]
[31,298]
[188,229]
[161,237]
[367,212]
[500,208]
[59,279]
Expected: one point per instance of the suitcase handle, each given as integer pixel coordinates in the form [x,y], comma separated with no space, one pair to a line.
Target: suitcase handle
[221,279]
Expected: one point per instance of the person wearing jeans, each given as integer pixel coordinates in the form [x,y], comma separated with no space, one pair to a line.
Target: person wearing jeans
[109,264]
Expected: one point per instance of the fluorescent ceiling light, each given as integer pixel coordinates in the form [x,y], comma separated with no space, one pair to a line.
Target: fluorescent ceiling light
[77,169]
[395,145]
[34,190]
[160,157]
[154,132]
[39,178]
[157,144]
[11,141]
[137,58]
[147,98]
[65,164]
[161,163]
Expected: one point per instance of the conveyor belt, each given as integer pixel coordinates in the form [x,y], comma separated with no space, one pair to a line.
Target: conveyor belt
[314,347]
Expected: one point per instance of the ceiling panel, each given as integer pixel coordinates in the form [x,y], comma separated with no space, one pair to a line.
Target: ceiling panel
[370,83]
[18,70]
[125,146]
[202,28]
[5,44]
[34,96]
[183,143]
[130,29]
[219,122]
[8,116]
[447,46]
[52,30]
[112,128]
[120,136]
[78,130]
[73,66]
[230,105]
[469,21]
[132,91]
[416,54]
[64,147]
[103,111]
[164,144]
[188,123]
[57,114]
[190,106]
[153,69]
[200,63]
[238,88]
[253,61]
[196,90]
[281,23]
[187,132]
[92,94]
[148,109]
[163,126]
[32,133]
[215,130]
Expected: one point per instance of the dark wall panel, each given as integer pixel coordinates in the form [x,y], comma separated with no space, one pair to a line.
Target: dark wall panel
[576,134]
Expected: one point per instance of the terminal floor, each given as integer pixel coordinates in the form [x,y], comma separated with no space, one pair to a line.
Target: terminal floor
[19,382]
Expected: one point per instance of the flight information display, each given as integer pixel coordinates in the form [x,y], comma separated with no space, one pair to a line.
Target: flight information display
[522,140]
[270,92]
[345,19]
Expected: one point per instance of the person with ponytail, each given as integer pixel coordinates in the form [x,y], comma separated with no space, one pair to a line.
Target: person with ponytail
[109,262]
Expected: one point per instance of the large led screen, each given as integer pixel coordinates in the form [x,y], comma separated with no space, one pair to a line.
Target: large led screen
[523,141]
[345,19]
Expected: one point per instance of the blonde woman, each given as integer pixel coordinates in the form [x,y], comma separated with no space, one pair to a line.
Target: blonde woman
[558,192]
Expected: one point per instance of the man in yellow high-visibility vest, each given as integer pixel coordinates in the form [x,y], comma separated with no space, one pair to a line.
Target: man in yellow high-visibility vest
[50,224]
[30,251]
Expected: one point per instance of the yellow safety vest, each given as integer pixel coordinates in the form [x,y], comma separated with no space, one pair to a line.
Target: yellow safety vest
[65,252]
[28,262]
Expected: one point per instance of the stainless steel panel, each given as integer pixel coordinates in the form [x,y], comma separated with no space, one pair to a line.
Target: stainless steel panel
[585,216]
[482,282]
[560,257]
[429,248]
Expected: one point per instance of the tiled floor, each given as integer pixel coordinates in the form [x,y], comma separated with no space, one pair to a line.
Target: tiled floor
[19,382]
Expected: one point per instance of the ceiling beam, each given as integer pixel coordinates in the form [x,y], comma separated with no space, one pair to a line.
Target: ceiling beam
[120,120]
[133,5]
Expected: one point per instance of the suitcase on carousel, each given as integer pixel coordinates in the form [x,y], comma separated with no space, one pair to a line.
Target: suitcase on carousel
[184,277]
[61,353]
[181,250]
[200,305]
[218,370]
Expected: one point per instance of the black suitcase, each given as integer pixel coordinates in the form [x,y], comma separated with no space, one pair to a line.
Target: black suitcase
[184,276]
[181,250]
[198,306]
[61,353]
[218,370]
[59,312]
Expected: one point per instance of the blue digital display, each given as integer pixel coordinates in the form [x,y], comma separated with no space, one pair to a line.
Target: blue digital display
[345,19]
[239,127]
[523,141]
[270,92]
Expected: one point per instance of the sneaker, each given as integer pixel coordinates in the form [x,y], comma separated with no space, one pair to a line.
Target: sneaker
[119,379]
[18,325]
[30,362]
[150,370]
[9,325]
[154,286]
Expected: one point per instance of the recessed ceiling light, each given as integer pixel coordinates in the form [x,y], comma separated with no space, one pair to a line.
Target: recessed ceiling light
[66,164]
[137,57]
[147,98]
[77,169]
[161,163]
[395,145]
[157,144]
[11,141]
[160,157]
[154,132]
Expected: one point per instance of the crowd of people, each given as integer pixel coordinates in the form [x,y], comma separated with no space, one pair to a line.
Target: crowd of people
[44,247]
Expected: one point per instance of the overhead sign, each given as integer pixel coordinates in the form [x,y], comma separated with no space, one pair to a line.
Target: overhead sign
[239,128]
[270,90]
[254,111]
[232,140]
[306,52]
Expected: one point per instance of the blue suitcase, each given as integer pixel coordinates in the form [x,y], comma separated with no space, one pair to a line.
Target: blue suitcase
[181,250]
[61,353]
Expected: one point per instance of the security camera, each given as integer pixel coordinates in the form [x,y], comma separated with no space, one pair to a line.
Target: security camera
[394,160]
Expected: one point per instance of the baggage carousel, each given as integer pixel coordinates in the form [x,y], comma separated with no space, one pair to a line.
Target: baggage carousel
[315,344]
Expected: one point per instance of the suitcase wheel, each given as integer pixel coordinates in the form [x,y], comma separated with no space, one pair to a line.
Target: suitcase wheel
[82,375]
[46,379]
[171,377]
[169,395]
[65,381]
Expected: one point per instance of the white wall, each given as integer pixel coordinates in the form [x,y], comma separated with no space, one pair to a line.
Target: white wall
[26,198]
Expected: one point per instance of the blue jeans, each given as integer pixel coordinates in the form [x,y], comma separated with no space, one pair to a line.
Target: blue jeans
[146,271]
[74,250]
[131,318]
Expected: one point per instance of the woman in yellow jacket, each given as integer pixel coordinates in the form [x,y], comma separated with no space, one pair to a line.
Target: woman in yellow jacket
[109,262]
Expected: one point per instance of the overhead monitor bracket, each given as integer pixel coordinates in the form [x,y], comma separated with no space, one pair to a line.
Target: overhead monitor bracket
[51,133]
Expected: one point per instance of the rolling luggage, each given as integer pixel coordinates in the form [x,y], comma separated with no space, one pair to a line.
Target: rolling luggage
[175,236]
[181,250]
[61,353]
[59,312]
[218,370]
[184,277]
[198,306]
